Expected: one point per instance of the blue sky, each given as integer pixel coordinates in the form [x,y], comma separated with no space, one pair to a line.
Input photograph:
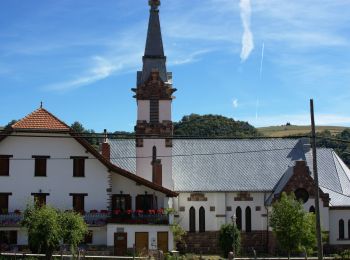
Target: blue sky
[254,60]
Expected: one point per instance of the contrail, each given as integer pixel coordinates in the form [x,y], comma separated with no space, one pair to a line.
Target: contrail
[262,58]
[256,109]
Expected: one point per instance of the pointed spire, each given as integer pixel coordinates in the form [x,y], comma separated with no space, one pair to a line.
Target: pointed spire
[154,58]
[154,43]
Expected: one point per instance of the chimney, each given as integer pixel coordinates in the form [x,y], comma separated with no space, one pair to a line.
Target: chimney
[106,148]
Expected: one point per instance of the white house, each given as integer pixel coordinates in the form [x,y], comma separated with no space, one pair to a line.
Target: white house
[42,159]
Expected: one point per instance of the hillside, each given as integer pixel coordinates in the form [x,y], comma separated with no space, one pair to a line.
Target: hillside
[283,131]
[213,126]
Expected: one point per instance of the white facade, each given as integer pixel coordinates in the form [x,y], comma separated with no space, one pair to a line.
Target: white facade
[144,161]
[59,184]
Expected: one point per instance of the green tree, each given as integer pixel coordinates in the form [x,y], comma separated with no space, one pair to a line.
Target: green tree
[13,121]
[47,227]
[89,134]
[293,227]
[73,228]
[43,227]
[178,234]
[230,239]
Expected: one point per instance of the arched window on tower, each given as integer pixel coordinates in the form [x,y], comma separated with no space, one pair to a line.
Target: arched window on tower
[239,218]
[341,229]
[192,219]
[201,219]
[349,229]
[154,153]
[248,219]
[312,209]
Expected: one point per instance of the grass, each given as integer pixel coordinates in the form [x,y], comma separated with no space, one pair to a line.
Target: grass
[284,131]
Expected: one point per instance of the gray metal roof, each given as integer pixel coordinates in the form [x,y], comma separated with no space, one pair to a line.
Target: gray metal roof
[242,165]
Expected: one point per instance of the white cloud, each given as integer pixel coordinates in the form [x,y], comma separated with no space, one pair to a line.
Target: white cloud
[247,38]
[102,69]
[235,103]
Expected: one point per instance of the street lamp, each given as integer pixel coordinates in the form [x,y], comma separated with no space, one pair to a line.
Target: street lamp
[233,218]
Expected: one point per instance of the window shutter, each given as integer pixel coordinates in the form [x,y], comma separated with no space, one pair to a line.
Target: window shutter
[4,203]
[4,166]
[139,202]
[127,202]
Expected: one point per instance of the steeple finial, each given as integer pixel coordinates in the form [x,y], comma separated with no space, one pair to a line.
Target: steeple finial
[41,104]
[154,4]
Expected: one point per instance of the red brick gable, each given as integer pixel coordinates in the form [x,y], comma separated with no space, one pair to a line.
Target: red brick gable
[41,119]
[301,178]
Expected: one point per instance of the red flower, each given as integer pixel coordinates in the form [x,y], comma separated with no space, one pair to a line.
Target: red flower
[160,211]
[129,212]
[117,211]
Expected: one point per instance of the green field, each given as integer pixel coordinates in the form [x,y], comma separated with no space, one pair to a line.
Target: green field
[283,131]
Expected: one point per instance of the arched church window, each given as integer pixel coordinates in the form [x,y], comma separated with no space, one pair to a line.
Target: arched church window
[192,219]
[349,229]
[248,219]
[154,153]
[312,209]
[341,229]
[201,219]
[239,218]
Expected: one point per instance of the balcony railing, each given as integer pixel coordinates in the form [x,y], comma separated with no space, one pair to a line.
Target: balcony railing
[96,218]
[10,219]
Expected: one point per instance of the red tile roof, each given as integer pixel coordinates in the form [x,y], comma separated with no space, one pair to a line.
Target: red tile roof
[41,119]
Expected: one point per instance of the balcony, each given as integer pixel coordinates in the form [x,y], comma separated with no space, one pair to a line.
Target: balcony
[12,219]
[100,218]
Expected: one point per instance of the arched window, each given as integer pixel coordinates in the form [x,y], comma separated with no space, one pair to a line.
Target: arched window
[239,218]
[192,219]
[154,153]
[201,219]
[341,229]
[248,219]
[349,229]
[312,209]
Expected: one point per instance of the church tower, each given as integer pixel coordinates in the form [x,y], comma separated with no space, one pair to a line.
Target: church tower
[154,128]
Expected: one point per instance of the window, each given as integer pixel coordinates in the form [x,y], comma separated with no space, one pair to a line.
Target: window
[40,165]
[349,229]
[5,165]
[248,219]
[301,195]
[78,201]
[312,209]
[8,237]
[154,110]
[121,202]
[146,202]
[239,218]
[192,219]
[40,199]
[341,229]
[88,237]
[4,202]
[78,166]
[201,219]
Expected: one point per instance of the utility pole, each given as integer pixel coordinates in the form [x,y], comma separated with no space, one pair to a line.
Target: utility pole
[317,199]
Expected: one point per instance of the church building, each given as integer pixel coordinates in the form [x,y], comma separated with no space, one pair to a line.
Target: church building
[124,190]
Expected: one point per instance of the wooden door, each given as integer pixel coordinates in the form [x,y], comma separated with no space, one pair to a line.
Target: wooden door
[120,244]
[162,241]
[141,241]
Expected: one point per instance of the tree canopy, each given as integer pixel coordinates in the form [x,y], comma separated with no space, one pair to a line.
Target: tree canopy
[294,228]
[213,126]
[47,227]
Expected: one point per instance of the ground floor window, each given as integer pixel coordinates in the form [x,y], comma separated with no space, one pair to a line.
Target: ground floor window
[341,229]
[88,237]
[8,237]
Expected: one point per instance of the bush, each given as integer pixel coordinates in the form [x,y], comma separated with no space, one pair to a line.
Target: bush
[230,239]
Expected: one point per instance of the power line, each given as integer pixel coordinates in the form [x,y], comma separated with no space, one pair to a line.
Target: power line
[166,156]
